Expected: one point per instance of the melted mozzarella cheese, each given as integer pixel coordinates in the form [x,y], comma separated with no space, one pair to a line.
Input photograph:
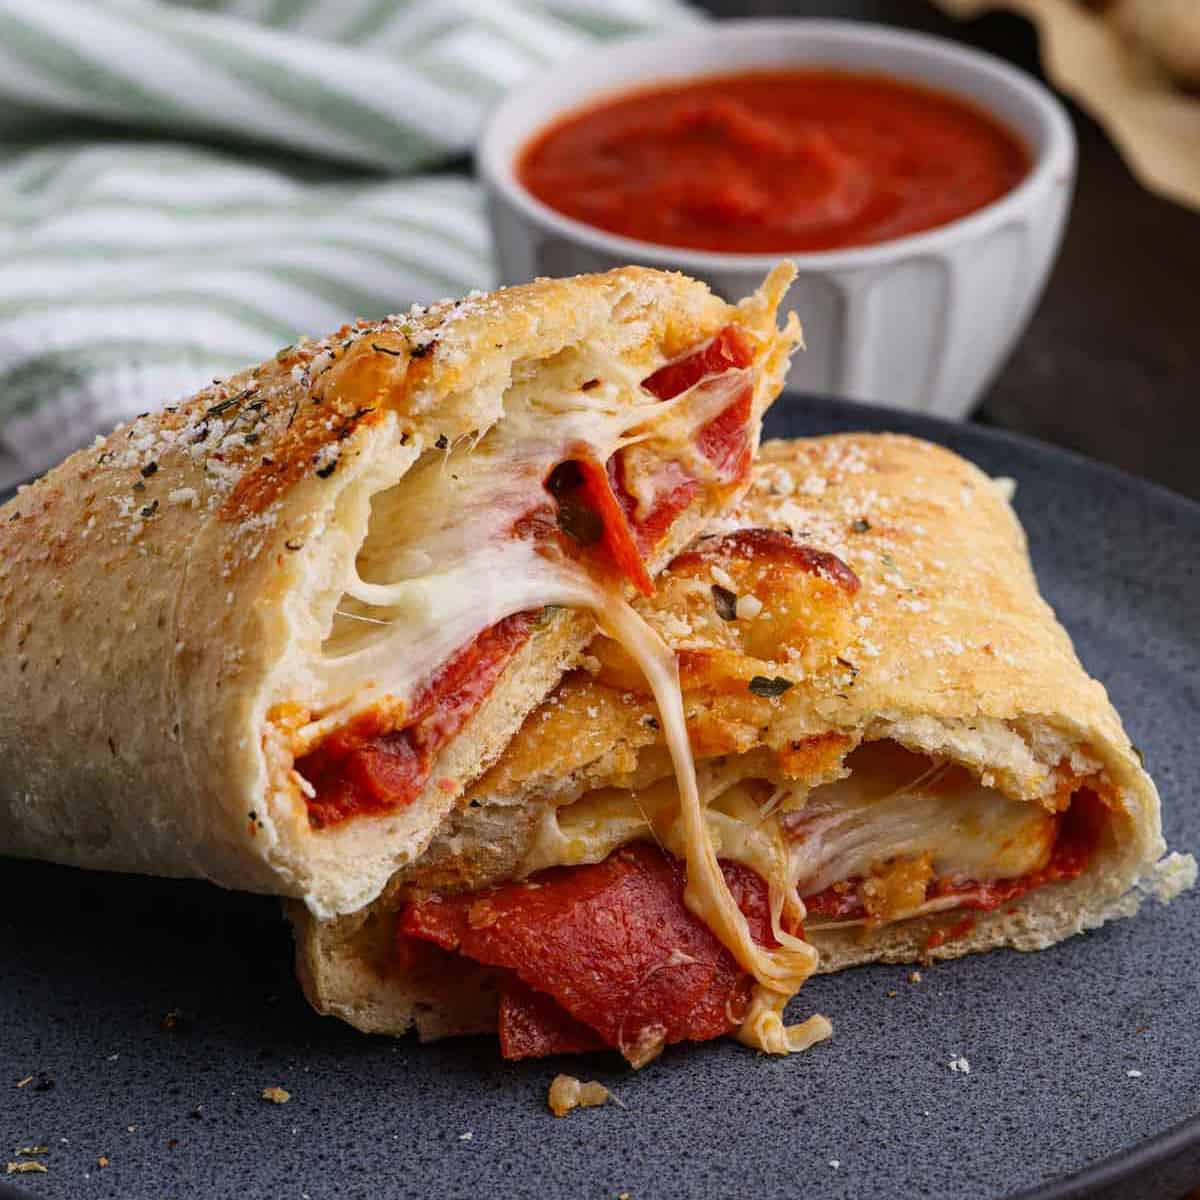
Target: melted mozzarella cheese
[840,832]
[430,617]
[441,562]
[973,832]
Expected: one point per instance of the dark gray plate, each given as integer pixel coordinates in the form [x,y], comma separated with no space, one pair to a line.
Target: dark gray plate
[89,964]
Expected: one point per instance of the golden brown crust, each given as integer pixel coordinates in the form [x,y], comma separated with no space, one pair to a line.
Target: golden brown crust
[156,587]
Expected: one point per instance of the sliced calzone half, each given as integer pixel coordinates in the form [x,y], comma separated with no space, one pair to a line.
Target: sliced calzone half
[268,636]
[898,756]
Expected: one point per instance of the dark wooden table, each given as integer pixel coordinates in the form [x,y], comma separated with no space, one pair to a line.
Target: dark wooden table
[1110,365]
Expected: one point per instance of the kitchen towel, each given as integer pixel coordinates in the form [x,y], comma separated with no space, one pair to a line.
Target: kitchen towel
[188,185]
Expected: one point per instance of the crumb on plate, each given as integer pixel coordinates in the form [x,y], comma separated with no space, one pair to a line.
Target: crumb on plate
[568,1093]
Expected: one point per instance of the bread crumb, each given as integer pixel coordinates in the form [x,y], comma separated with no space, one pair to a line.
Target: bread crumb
[466,1137]
[26,1168]
[1134,1073]
[26,1151]
[276,1095]
[914,977]
[22,1082]
[102,1161]
[961,1065]
[835,1163]
[568,1093]
[748,607]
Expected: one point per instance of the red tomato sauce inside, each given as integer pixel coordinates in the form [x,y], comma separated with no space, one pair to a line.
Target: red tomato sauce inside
[774,161]
[600,956]
[371,766]
[1079,832]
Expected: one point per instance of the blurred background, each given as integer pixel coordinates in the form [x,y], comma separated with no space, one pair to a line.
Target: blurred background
[184,187]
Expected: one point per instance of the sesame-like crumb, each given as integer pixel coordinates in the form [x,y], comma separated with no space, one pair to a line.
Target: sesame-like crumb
[748,607]
[276,1095]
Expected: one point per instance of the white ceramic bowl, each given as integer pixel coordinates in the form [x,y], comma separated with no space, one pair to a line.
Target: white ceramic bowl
[922,322]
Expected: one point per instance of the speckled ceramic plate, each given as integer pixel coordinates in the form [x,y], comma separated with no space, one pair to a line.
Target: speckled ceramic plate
[1084,1060]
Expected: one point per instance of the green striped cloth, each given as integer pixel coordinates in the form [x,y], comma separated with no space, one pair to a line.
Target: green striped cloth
[186,185]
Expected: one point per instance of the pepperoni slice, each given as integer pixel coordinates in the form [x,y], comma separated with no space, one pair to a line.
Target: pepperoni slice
[723,440]
[596,491]
[729,350]
[611,945]
[601,491]
[532,1025]
[363,768]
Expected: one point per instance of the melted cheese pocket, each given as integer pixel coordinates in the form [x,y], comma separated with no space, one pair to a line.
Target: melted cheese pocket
[845,728]
[302,611]
[968,832]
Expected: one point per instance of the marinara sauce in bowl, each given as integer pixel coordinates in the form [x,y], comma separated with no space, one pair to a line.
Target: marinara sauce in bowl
[774,162]
[919,187]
